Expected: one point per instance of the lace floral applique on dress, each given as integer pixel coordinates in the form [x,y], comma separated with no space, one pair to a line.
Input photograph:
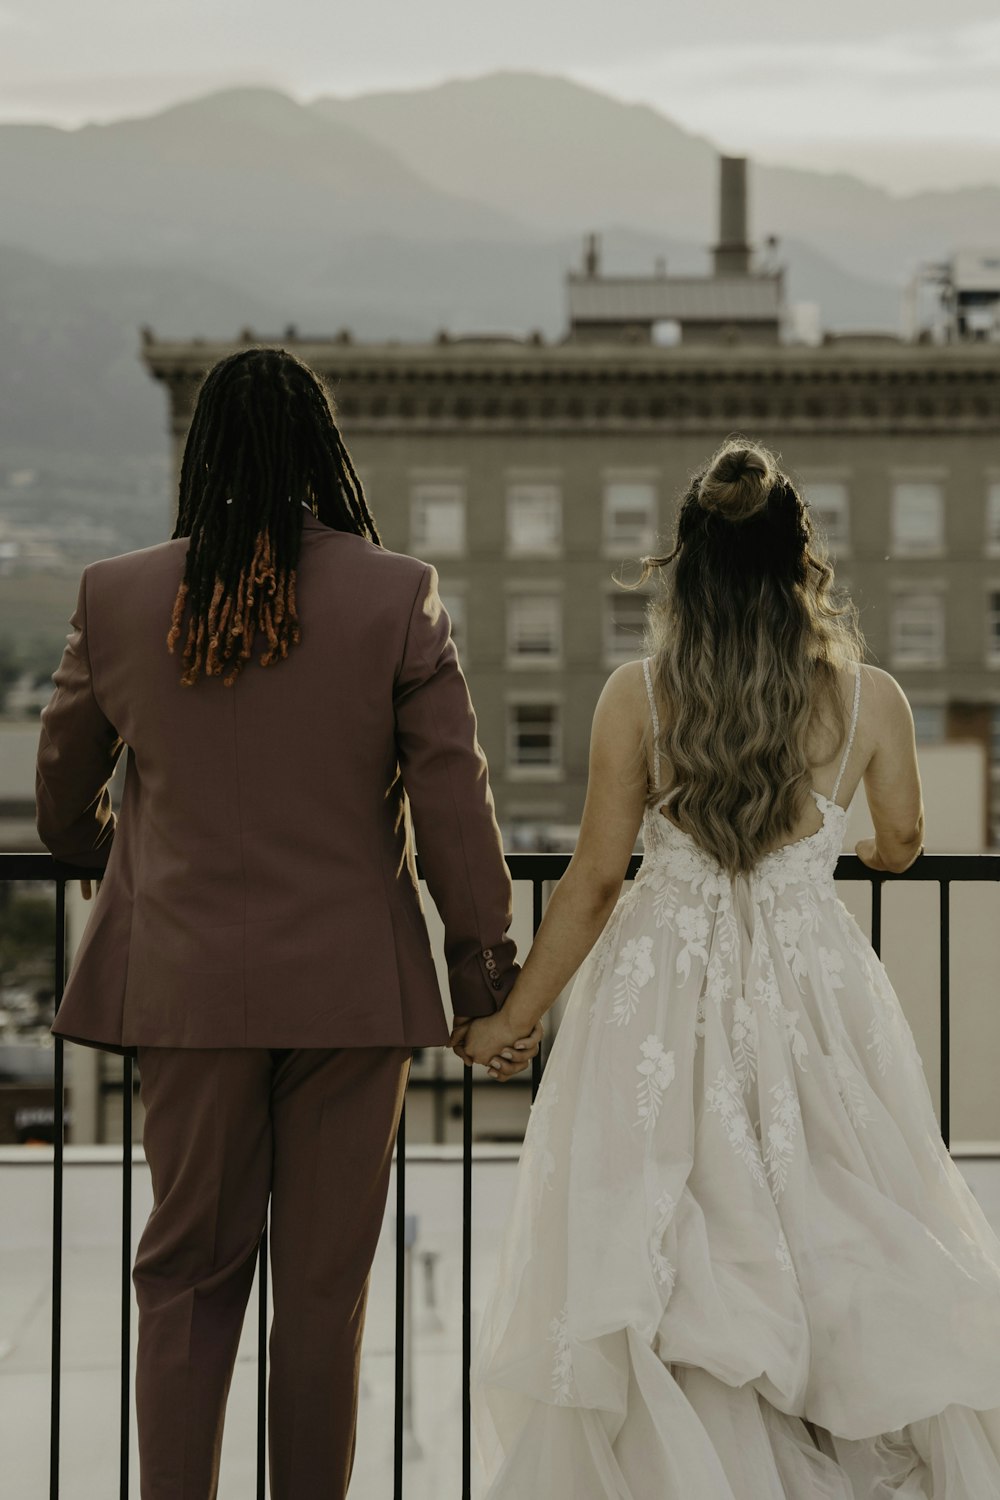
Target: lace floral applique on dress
[562,1360]
[633,970]
[657,1069]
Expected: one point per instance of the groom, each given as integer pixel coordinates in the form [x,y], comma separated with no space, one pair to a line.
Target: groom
[258,939]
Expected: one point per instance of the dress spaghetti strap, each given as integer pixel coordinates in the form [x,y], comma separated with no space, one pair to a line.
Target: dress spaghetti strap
[850,738]
[654,716]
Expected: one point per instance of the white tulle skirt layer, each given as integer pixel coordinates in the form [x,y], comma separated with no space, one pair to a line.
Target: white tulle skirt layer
[684,1435]
[734,1217]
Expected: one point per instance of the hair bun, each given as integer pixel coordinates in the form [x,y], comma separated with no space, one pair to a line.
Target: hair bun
[738,481]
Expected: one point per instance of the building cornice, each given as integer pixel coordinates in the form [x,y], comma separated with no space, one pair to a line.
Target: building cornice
[517,386]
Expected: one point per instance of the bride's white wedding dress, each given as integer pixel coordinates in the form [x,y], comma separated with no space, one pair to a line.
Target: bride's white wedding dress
[734,1215]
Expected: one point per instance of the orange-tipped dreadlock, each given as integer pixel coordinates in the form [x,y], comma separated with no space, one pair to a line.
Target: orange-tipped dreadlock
[262,440]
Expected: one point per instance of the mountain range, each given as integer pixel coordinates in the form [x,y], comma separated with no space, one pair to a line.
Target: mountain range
[395,214]
[565,158]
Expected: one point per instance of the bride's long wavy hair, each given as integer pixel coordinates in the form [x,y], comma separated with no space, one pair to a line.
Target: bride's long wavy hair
[746,638]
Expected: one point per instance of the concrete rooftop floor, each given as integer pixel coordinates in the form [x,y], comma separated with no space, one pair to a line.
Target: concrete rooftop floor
[90,1326]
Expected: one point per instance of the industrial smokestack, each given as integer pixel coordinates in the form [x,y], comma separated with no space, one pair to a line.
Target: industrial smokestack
[732,253]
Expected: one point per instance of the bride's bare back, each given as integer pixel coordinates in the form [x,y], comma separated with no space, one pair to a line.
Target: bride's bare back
[883,754]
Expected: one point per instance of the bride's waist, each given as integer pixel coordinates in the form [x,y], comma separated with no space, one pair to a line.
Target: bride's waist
[781,867]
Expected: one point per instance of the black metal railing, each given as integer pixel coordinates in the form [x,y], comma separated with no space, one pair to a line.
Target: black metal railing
[944,870]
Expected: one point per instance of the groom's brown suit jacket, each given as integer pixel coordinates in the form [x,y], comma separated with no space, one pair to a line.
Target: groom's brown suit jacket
[260,887]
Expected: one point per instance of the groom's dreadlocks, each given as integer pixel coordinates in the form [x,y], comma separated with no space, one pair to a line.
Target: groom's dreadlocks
[263,439]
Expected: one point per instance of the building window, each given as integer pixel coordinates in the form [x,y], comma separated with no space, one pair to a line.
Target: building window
[437,520]
[993,518]
[624,627]
[454,602]
[918,630]
[993,628]
[534,738]
[534,520]
[917,518]
[630,520]
[828,502]
[534,629]
[929,723]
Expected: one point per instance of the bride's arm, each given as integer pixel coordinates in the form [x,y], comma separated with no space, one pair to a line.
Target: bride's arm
[585,896]
[892,781]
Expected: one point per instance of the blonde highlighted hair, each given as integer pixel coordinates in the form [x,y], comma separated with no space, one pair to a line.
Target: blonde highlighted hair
[747,639]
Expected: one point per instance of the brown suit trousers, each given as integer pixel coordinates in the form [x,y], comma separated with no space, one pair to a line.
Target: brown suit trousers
[225,1130]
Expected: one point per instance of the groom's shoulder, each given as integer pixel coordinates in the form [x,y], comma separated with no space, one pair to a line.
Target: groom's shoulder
[390,569]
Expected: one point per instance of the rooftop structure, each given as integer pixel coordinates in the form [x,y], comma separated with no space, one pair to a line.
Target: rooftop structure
[957,301]
[735,304]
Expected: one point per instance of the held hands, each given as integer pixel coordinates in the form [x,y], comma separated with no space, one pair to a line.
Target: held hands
[491,1042]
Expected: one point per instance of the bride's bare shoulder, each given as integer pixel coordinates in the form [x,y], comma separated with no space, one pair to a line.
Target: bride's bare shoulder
[622,730]
[625,691]
[884,715]
[623,723]
[623,707]
[889,710]
[877,686]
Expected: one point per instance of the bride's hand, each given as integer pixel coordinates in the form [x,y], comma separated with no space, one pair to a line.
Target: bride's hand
[868,854]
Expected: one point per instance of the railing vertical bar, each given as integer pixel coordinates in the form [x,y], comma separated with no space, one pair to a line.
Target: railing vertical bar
[877,916]
[262,1360]
[58,1131]
[125,1402]
[466,1282]
[945,987]
[397,1449]
[537,892]
[440,1098]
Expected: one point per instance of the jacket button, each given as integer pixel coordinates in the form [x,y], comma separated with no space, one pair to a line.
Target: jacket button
[487,952]
[491,963]
[498,984]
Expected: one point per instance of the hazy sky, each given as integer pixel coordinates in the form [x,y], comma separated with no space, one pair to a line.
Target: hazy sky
[892,86]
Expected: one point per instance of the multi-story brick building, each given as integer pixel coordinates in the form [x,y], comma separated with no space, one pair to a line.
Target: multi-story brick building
[534,474]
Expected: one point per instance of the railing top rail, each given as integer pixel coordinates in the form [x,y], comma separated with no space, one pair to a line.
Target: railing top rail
[934,867]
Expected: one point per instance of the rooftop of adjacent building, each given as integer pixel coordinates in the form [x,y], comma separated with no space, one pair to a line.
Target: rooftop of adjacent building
[165,356]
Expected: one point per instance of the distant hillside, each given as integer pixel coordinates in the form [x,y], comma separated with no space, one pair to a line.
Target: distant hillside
[556,155]
[567,158]
[251,186]
[70,375]
[246,177]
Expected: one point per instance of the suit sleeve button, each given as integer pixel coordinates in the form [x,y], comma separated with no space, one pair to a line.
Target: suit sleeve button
[487,952]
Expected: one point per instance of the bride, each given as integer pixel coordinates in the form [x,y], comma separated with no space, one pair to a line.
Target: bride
[740,1263]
